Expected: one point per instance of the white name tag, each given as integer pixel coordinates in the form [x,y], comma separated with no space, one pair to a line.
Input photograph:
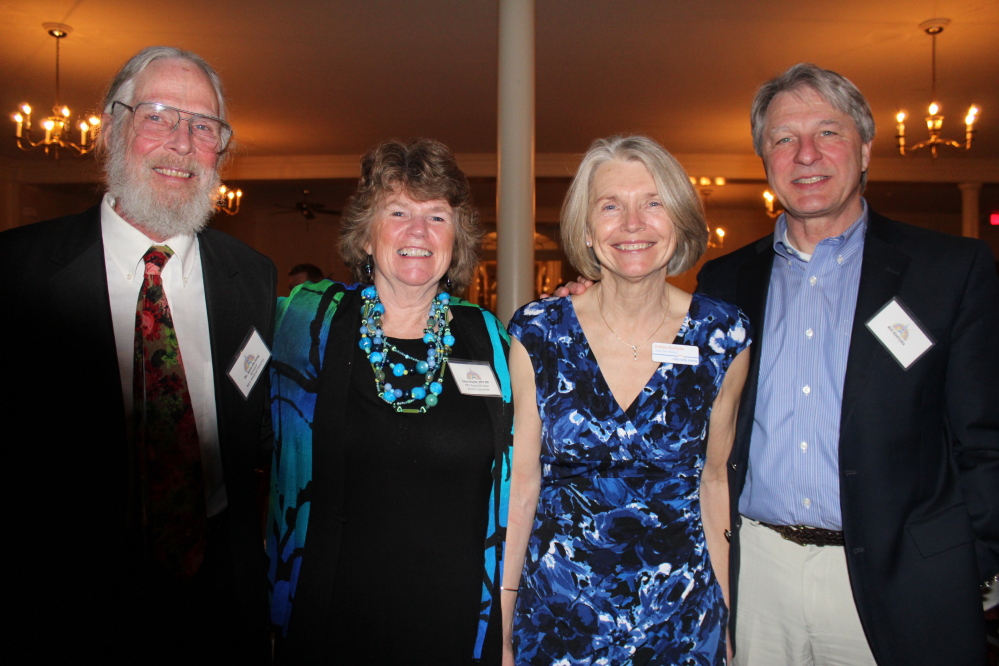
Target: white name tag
[474,378]
[249,363]
[900,333]
[676,354]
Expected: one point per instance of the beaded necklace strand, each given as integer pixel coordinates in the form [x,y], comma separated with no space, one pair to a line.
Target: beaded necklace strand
[437,336]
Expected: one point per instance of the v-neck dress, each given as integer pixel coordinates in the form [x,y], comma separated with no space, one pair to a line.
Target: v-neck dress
[617,569]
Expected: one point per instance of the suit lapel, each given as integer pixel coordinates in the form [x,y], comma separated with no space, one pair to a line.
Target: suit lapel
[78,290]
[880,278]
[223,301]
[754,286]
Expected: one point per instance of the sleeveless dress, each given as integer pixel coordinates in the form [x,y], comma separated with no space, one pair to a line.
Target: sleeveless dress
[617,569]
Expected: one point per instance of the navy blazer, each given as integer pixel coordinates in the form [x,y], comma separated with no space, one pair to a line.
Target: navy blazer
[64,429]
[918,448]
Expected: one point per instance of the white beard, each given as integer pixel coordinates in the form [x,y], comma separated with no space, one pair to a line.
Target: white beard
[161,213]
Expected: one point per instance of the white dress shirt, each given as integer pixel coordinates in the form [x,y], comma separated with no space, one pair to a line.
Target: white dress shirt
[184,286]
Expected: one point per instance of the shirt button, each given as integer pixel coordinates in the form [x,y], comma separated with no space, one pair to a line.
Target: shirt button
[809,333]
[839,259]
[806,390]
[807,502]
[812,280]
[804,446]
[129,277]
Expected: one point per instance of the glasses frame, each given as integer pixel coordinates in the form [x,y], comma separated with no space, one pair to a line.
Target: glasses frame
[226,127]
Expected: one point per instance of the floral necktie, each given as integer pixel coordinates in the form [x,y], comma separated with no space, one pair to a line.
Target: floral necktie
[167,450]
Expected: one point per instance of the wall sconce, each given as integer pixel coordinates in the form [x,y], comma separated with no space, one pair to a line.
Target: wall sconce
[768,202]
[228,200]
[718,234]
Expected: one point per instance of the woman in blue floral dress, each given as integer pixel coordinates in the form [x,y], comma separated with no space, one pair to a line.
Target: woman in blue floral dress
[616,548]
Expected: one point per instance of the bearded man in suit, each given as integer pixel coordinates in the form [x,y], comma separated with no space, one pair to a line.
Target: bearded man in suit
[865,473]
[135,520]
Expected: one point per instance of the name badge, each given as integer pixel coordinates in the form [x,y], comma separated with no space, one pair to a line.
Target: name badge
[474,378]
[249,362]
[676,354]
[900,332]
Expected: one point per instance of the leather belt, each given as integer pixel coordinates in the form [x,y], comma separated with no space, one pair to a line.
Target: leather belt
[803,535]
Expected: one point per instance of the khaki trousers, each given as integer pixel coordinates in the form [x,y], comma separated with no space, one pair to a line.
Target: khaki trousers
[795,605]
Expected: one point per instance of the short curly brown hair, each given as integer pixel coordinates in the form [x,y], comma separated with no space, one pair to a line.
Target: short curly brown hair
[425,170]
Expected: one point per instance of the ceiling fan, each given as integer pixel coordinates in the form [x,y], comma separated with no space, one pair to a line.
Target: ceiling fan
[307,208]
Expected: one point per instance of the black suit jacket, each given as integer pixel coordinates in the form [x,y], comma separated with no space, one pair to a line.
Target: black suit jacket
[64,430]
[918,448]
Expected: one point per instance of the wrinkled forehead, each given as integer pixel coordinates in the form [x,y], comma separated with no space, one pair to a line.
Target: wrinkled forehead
[805,104]
[178,83]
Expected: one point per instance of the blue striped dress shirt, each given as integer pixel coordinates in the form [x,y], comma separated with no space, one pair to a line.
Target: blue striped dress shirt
[793,476]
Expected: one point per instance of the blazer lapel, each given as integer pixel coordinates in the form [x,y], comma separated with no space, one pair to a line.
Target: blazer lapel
[880,277]
[754,286]
[78,290]
[223,301]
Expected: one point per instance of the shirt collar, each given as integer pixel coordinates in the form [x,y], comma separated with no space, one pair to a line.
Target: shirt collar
[126,245]
[848,241]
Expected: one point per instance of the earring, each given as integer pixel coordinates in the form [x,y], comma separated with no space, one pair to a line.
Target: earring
[589,244]
[447,282]
[367,269]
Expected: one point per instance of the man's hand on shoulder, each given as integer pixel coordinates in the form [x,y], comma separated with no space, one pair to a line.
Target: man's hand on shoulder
[575,288]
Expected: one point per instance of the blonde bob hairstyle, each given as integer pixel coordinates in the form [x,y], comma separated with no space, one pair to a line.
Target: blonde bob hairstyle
[678,197]
[424,169]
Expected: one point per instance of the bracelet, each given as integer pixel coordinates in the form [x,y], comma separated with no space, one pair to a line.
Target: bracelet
[510,589]
[728,536]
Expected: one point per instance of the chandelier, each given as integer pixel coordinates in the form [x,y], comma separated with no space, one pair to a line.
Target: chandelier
[934,121]
[228,200]
[58,130]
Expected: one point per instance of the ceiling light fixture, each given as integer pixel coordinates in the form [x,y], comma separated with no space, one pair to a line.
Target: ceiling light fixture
[58,129]
[934,121]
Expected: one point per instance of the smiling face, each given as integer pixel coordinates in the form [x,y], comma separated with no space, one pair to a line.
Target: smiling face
[814,158]
[165,187]
[630,231]
[411,242]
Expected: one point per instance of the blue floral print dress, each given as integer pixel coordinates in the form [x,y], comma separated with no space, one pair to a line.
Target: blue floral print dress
[617,569]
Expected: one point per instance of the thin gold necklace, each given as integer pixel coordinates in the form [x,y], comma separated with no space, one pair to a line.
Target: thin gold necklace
[634,348]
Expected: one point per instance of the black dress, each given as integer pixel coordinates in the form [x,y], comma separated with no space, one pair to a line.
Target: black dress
[408,580]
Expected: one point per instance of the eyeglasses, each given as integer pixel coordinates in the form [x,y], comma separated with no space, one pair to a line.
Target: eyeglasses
[151,120]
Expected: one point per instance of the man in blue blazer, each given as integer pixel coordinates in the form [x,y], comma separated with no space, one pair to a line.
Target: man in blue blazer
[865,474]
[86,585]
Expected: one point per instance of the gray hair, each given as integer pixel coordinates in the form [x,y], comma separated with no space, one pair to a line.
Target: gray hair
[834,88]
[679,198]
[122,89]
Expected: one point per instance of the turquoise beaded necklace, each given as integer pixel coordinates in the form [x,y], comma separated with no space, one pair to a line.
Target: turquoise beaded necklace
[437,336]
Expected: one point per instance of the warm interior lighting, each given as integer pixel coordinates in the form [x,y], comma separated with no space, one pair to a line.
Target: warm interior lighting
[720,232]
[934,121]
[768,202]
[57,126]
[228,200]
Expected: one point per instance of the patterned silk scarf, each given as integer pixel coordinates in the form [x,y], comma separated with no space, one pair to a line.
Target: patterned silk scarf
[166,438]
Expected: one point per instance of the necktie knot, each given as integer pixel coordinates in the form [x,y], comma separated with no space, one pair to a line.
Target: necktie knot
[156,257]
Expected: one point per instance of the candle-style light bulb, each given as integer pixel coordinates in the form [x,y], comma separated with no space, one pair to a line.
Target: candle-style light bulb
[934,108]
